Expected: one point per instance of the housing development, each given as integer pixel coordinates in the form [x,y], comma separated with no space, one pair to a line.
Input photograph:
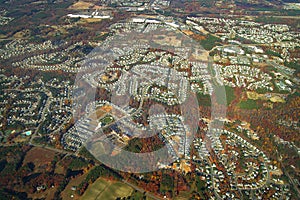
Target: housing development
[151,99]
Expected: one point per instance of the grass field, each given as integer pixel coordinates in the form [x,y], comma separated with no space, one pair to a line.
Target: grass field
[210,42]
[249,104]
[107,120]
[103,189]
[225,95]
[81,5]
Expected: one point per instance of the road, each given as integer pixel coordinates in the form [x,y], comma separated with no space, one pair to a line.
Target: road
[46,107]
[42,146]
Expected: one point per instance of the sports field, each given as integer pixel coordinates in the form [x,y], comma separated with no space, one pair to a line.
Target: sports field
[104,189]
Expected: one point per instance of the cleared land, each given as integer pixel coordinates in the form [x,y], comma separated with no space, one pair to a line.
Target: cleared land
[275,98]
[39,156]
[81,5]
[89,20]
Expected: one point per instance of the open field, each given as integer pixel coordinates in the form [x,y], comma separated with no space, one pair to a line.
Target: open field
[108,190]
[22,34]
[66,194]
[165,39]
[275,98]
[107,119]
[89,20]
[47,194]
[39,156]
[81,5]
[183,196]
[249,104]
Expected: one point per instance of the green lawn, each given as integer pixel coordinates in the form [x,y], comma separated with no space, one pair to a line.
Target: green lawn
[107,119]
[249,104]
[95,189]
[116,190]
[210,42]
[103,189]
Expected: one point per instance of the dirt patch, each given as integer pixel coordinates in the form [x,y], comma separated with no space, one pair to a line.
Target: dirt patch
[277,99]
[100,7]
[171,40]
[188,32]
